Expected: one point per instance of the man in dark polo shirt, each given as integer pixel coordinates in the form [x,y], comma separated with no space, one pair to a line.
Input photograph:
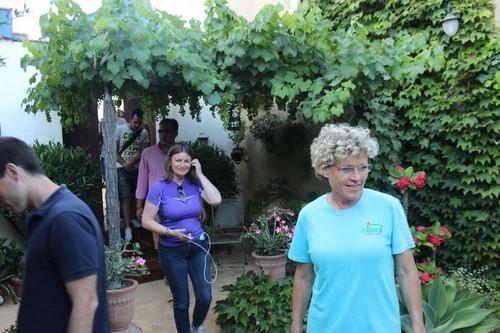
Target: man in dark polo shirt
[64,288]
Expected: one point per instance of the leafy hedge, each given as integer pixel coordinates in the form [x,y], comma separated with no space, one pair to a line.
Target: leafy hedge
[446,121]
[218,167]
[71,166]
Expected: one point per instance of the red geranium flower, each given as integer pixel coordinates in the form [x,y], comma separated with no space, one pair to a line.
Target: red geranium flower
[425,277]
[419,180]
[435,240]
[403,183]
[420,228]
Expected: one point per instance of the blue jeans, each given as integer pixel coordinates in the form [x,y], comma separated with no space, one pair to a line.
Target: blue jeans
[176,263]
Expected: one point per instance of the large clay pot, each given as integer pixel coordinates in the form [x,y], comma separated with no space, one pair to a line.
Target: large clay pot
[18,285]
[272,266]
[121,307]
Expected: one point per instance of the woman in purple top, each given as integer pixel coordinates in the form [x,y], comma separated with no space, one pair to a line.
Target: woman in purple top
[176,199]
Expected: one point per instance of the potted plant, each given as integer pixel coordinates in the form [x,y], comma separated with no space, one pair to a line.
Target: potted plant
[270,235]
[17,279]
[122,260]
[265,128]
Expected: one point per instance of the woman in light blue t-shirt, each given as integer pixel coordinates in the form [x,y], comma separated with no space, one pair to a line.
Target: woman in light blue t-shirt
[182,247]
[347,243]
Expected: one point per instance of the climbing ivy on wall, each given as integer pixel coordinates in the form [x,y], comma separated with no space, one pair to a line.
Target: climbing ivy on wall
[447,121]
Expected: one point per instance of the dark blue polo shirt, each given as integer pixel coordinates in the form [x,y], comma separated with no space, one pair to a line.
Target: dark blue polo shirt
[65,244]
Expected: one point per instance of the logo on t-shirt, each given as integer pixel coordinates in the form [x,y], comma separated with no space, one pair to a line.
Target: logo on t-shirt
[372,229]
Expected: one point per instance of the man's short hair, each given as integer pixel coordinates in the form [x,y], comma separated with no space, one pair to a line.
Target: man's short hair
[170,121]
[137,112]
[15,151]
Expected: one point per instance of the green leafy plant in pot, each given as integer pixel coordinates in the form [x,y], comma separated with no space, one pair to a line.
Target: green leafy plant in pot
[265,128]
[123,259]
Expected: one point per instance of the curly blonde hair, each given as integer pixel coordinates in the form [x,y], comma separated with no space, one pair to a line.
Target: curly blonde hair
[337,142]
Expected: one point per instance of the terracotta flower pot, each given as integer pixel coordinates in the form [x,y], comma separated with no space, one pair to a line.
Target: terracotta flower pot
[121,307]
[272,266]
[18,285]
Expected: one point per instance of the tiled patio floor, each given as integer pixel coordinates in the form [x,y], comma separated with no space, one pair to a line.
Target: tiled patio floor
[152,311]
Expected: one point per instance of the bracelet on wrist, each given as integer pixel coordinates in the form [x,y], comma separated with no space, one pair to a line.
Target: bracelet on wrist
[166,233]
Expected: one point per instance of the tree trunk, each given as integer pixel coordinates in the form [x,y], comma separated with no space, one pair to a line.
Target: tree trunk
[112,203]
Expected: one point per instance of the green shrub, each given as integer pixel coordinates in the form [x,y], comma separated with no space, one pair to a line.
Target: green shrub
[11,257]
[256,304]
[450,309]
[217,167]
[72,166]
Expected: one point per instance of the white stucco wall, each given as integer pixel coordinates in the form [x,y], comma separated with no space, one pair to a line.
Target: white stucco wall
[14,82]
[190,129]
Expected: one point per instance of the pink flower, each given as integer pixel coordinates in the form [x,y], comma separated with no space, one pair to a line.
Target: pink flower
[403,183]
[425,277]
[140,261]
[419,180]
[435,240]
[258,232]
[420,228]
[444,230]
[398,167]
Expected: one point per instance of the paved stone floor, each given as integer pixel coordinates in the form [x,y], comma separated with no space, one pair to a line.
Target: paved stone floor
[152,311]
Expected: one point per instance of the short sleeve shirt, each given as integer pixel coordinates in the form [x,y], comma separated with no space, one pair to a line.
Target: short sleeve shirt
[177,211]
[65,244]
[352,254]
[134,150]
